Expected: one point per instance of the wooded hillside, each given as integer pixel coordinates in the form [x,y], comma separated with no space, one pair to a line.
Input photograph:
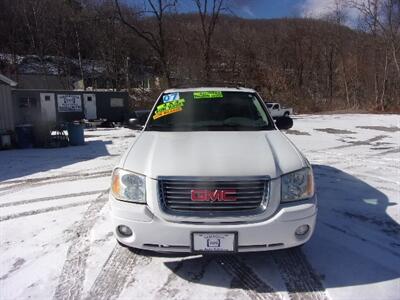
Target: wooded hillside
[312,64]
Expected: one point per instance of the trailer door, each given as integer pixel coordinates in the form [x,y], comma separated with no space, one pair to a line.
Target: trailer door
[89,102]
[48,107]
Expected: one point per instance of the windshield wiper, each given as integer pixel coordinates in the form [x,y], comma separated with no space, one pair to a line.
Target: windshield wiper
[158,126]
[211,127]
[169,127]
[235,127]
[262,127]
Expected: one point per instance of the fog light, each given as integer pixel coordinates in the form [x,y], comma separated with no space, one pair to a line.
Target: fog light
[302,230]
[124,230]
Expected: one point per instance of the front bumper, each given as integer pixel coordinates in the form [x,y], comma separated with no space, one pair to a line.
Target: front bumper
[154,233]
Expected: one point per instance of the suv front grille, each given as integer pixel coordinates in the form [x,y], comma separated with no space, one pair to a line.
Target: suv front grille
[244,194]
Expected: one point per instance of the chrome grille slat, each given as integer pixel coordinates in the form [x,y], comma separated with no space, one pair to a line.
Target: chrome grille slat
[175,194]
[200,203]
[238,198]
[187,193]
[261,188]
[198,183]
[213,208]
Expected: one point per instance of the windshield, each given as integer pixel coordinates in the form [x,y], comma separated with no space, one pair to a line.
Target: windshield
[209,110]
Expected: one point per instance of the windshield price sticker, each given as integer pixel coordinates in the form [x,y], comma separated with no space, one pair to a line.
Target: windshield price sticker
[170,97]
[168,108]
[208,95]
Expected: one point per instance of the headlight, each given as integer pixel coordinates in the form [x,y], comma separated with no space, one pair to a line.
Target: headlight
[128,186]
[297,185]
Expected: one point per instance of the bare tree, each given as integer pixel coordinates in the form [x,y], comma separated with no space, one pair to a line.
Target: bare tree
[309,63]
[209,11]
[157,41]
[383,15]
[339,17]
[392,29]
[383,20]
[75,18]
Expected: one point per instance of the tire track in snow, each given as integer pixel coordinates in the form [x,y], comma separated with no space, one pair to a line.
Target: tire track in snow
[246,279]
[166,291]
[42,211]
[38,179]
[114,275]
[73,195]
[50,180]
[299,277]
[363,239]
[192,271]
[71,280]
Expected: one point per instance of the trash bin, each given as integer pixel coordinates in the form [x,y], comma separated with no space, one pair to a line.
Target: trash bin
[5,141]
[76,134]
[24,136]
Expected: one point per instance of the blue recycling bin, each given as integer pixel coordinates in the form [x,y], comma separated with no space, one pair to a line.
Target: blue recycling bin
[76,134]
[25,137]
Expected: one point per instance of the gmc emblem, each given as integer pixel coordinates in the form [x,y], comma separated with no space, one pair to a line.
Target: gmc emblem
[213,195]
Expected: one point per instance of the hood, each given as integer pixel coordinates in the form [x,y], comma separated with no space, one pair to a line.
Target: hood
[213,153]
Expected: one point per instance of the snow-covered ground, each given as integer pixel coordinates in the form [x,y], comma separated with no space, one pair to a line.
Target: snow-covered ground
[56,240]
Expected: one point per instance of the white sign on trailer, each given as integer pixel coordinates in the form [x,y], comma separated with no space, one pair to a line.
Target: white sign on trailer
[69,103]
[117,102]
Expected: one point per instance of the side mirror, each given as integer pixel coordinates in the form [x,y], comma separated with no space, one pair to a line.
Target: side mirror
[134,124]
[284,123]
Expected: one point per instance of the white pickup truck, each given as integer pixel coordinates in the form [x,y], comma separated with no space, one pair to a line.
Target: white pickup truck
[276,110]
[210,172]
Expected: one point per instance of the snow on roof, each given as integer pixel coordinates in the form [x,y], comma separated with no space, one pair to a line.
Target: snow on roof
[199,89]
[52,65]
[7,80]
[10,58]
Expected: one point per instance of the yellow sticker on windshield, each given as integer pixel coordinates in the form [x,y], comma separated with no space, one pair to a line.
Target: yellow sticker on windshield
[166,112]
[207,95]
[168,108]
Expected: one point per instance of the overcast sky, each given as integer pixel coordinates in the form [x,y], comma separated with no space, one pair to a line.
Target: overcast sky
[279,8]
[269,9]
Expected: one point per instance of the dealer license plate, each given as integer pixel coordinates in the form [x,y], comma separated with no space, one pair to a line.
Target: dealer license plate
[214,242]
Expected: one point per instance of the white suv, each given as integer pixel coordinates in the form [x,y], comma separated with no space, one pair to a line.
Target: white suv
[211,172]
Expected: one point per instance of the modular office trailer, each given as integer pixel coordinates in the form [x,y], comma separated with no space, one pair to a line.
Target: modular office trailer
[54,106]
[6,108]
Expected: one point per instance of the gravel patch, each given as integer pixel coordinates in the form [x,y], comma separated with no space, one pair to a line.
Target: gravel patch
[381,128]
[335,131]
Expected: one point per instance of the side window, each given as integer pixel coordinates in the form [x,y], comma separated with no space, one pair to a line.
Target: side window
[26,102]
[89,98]
[276,106]
[47,98]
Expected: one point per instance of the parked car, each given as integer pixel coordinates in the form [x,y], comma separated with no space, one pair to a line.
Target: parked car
[212,173]
[276,110]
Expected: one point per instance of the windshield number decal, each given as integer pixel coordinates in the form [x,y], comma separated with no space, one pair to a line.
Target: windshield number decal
[170,97]
[168,108]
[208,95]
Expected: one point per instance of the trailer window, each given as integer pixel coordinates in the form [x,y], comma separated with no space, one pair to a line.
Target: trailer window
[27,102]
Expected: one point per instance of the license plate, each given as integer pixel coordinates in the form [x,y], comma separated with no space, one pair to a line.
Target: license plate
[214,241]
